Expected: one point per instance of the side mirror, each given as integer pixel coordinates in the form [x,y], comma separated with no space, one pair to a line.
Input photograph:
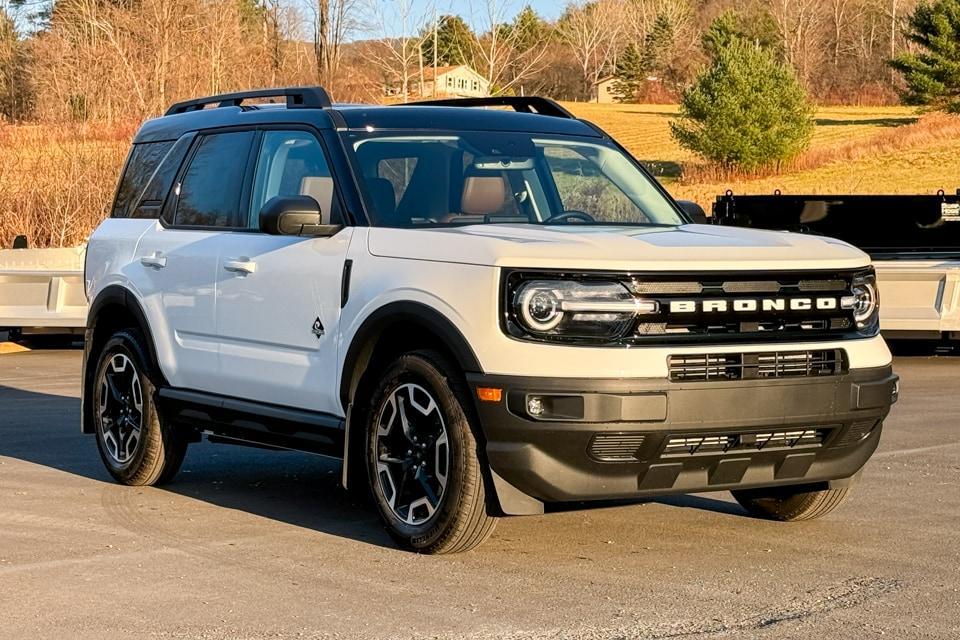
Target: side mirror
[294,216]
[694,211]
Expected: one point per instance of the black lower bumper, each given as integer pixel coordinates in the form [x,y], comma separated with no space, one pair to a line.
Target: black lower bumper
[562,440]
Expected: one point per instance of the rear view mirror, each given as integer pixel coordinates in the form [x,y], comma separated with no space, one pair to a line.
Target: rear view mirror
[294,216]
[694,211]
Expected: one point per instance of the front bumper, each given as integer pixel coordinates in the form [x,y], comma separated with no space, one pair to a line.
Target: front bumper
[614,439]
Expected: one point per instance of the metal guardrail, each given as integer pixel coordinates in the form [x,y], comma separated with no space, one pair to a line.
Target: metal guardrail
[42,289]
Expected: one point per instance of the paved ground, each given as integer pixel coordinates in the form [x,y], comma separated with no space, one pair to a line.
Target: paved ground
[249,544]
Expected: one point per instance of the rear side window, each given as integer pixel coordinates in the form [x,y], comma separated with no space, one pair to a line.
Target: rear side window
[209,193]
[141,164]
[151,200]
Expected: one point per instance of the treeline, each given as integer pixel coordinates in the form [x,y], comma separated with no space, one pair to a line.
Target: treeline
[118,60]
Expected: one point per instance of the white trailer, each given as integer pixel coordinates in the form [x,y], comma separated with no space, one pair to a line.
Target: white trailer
[42,291]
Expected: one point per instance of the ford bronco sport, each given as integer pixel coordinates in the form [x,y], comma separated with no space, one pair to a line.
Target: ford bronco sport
[481,311]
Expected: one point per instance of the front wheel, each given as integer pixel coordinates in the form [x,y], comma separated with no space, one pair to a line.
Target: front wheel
[789,504]
[423,459]
[135,446]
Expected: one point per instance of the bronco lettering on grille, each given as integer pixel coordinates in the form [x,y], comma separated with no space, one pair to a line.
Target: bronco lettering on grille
[752,305]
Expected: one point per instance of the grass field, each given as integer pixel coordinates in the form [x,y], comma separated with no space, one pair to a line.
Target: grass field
[56,182]
[854,150]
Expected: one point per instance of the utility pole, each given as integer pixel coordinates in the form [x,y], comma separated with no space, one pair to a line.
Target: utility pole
[436,28]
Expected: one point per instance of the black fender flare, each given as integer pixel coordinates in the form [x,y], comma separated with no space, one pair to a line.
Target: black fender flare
[360,349]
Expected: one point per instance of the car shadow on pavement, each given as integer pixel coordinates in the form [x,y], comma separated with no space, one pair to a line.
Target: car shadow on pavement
[294,488]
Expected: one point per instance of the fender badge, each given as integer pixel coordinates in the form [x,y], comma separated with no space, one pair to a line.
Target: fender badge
[317,329]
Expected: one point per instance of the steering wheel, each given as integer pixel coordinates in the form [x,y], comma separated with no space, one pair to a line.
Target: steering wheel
[570,215]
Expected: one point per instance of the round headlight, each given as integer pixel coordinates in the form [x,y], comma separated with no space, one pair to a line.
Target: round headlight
[539,307]
[865,301]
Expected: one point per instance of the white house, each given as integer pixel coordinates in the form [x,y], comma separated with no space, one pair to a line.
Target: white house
[459,81]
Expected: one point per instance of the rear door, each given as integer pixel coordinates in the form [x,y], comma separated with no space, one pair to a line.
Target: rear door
[178,256]
[278,299]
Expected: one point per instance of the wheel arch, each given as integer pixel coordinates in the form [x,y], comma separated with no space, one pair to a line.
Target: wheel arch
[114,308]
[388,332]
[418,324]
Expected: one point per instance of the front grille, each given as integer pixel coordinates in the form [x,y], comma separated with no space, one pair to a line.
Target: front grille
[752,366]
[616,447]
[739,308]
[683,445]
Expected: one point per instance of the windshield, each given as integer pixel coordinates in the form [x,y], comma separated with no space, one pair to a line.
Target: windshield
[493,177]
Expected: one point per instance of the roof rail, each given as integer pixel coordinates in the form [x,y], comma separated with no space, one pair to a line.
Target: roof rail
[297,98]
[523,104]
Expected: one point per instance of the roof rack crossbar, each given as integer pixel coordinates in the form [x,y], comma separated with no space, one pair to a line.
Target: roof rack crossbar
[523,104]
[297,98]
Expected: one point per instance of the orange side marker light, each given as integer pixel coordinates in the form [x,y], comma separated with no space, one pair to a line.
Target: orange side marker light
[489,394]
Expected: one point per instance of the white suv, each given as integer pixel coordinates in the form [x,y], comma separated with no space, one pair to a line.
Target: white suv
[483,312]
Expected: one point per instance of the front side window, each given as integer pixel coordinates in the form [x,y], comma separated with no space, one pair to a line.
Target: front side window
[209,192]
[292,163]
[502,177]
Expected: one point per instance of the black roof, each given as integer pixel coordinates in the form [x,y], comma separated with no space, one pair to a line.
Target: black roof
[453,116]
[450,118]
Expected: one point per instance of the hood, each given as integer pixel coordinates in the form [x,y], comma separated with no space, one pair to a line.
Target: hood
[689,247]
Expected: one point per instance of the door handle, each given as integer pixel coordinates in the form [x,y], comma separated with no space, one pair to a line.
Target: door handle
[157,260]
[240,265]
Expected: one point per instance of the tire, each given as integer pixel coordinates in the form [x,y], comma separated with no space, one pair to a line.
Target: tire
[790,504]
[149,453]
[418,426]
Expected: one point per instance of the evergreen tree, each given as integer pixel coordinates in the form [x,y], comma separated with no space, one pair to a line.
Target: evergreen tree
[759,28]
[747,111]
[932,74]
[721,33]
[658,47]
[630,74]
[528,30]
[454,41]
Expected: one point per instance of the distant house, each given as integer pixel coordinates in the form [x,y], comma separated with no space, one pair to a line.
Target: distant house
[458,81]
[603,90]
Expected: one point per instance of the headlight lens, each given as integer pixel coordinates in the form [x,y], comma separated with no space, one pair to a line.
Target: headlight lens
[572,309]
[864,301]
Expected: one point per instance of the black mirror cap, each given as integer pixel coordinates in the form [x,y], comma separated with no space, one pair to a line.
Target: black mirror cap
[294,216]
[694,211]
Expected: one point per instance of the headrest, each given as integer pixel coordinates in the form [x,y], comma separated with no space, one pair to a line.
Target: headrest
[320,188]
[483,195]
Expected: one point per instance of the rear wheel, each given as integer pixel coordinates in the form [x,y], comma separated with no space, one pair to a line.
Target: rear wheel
[135,446]
[423,459]
[789,504]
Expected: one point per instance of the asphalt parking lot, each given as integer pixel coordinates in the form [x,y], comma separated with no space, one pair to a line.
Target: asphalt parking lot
[253,544]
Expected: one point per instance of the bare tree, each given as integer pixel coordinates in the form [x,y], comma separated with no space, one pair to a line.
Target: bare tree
[592,32]
[394,52]
[334,22]
[801,25]
[495,51]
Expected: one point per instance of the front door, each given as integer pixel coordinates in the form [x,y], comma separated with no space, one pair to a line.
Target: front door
[278,297]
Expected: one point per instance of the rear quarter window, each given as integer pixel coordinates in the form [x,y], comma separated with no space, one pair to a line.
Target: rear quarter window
[143,161]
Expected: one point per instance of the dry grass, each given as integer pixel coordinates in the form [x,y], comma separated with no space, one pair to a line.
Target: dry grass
[854,150]
[56,182]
